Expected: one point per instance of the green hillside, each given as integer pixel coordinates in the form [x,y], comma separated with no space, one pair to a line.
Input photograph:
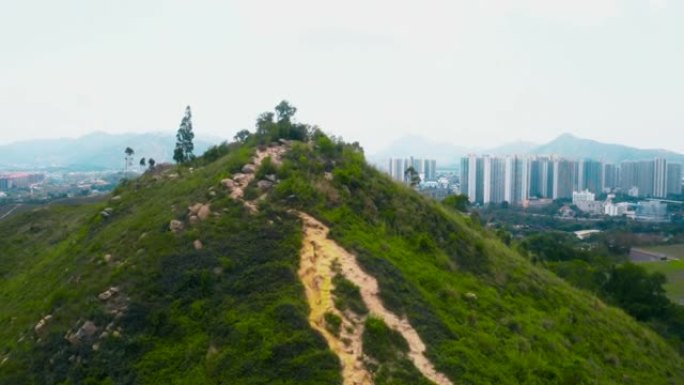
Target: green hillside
[128,301]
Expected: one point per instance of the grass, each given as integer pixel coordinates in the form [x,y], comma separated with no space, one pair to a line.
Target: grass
[235,312]
[232,311]
[674,251]
[674,272]
[526,326]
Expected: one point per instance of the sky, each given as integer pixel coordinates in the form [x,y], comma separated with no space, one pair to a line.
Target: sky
[473,73]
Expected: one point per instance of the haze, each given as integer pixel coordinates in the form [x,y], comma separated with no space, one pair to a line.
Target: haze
[473,73]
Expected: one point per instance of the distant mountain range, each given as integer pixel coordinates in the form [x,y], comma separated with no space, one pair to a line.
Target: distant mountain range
[93,152]
[566,145]
[570,146]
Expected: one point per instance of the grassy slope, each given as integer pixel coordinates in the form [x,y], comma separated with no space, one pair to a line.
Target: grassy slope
[233,311]
[526,326]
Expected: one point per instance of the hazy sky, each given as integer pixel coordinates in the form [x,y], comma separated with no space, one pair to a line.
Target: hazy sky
[475,73]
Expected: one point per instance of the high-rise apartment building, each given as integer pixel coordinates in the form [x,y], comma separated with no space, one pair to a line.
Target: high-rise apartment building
[660,178]
[564,178]
[674,179]
[494,180]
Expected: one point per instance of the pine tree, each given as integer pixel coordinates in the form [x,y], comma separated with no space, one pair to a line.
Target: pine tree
[184,146]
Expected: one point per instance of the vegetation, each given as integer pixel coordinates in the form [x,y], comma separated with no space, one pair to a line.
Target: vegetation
[674,274]
[234,311]
[388,352]
[183,152]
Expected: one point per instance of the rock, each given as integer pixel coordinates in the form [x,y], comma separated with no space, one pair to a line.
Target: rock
[272,178]
[249,168]
[328,176]
[172,176]
[73,340]
[194,209]
[42,323]
[105,214]
[96,347]
[142,236]
[239,178]
[194,219]
[109,293]
[228,183]
[283,141]
[87,330]
[108,258]
[264,185]
[116,334]
[176,226]
[212,193]
[204,212]
[116,198]
[198,244]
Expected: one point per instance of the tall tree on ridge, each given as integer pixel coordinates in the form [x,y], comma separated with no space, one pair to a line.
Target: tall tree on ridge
[184,146]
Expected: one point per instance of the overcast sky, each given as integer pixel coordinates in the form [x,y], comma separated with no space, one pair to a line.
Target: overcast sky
[476,73]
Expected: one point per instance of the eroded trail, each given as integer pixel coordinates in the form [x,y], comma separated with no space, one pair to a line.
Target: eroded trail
[318,253]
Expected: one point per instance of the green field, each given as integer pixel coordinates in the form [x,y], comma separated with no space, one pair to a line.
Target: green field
[674,271]
[674,251]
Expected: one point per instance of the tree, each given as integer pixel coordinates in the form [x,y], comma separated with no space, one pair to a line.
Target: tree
[458,202]
[242,136]
[184,146]
[151,162]
[142,162]
[285,111]
[412,177]
[265,125]
[128,158]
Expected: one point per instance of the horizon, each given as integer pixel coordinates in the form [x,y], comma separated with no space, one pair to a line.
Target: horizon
[209,137]
[527,70]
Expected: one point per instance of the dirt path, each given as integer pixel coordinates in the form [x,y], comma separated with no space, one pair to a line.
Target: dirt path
[242,180]
[317,256]
[316,274]
[318,253]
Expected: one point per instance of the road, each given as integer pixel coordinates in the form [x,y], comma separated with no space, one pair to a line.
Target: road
[10,211]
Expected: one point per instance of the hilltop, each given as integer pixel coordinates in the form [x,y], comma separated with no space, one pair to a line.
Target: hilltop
[285,259]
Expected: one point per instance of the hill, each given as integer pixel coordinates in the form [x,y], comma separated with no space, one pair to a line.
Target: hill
[570,146]
[294,262]
[92,152]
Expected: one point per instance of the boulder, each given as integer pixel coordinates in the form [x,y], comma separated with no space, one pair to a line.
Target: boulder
[198,244]
[228,183]
[272,178]
[239,178]
[116,198]
[194,209]
[87,330]
[176,226]
[108,258]
[264,185]
[42,323]
[204,212]
[109,293]
[194,219]
[249,168]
